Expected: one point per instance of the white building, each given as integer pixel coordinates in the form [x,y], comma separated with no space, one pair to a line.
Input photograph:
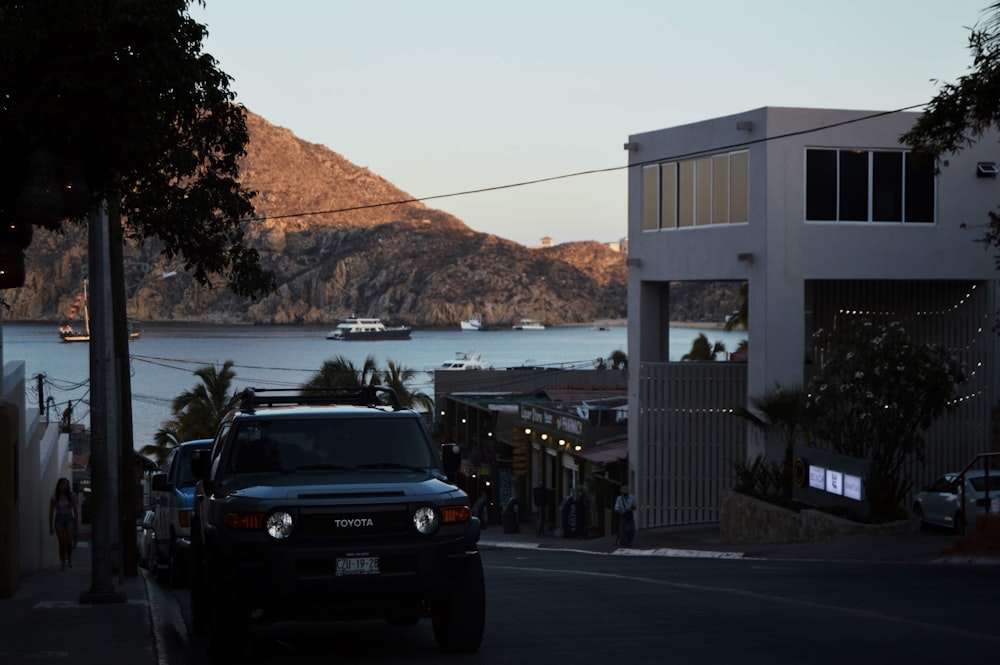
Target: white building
[825,215]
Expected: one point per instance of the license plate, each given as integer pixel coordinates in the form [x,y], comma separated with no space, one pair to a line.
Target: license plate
[357,565]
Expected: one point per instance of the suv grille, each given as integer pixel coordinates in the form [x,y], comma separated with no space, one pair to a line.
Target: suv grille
[354,522]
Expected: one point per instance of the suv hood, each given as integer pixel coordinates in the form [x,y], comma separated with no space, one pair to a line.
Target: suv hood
[331,486]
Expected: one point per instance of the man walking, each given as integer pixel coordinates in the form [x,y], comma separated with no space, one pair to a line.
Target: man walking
[625,507]
[541,496]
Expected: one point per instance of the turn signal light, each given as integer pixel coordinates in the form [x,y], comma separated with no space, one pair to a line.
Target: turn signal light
[455,514]
[244,521]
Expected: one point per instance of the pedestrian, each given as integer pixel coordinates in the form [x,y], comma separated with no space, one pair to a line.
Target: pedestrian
[625,507]
[541,496]
[481,509]
[62,520]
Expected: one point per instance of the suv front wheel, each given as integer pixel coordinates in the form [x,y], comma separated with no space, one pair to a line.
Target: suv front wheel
[460,616]
[228,622]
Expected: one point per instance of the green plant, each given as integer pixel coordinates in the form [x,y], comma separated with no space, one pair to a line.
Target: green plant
[760,479]
[875,394]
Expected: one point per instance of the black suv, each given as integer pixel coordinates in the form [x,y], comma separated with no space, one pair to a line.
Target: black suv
[330,504]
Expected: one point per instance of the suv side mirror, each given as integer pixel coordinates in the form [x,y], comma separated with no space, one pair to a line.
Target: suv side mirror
[160,482]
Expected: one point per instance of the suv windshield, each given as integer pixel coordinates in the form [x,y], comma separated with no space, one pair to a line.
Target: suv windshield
[288,445]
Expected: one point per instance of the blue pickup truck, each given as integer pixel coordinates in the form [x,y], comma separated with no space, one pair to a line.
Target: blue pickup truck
[173,496]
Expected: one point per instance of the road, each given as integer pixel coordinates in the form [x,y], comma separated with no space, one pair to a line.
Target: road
[549,606]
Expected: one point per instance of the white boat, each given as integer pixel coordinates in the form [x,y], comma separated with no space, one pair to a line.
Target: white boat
[69,333]
[464,360]
[528,324]
[368,329]
[475,322]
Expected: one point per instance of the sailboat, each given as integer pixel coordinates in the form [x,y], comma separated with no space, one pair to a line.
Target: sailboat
[69,333]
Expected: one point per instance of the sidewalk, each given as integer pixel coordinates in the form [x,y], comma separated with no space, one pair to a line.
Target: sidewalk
[45,622]
[704,541]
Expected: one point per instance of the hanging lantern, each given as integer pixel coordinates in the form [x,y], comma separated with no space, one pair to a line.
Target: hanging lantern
[11,266]
[75,192]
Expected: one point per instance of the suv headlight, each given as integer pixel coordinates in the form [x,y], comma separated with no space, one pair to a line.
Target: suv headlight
[279,525]
[426,519]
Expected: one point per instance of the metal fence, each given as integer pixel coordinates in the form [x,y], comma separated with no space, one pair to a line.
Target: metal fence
[689,439]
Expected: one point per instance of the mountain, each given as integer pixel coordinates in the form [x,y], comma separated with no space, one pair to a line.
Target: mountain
[403,262]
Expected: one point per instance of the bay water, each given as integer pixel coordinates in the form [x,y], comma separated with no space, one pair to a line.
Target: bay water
[166,355]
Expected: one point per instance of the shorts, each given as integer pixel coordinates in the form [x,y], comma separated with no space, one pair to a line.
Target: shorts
[64,522]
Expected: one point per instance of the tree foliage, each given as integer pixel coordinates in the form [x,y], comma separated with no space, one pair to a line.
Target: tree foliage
[197,412]
[115,100]
[340,372]
[702,350]
[779,411]
[875,394]
[964,111]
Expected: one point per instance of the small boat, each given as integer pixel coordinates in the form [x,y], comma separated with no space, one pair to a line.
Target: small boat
[528,324]
[69,333]
[474,322]
[464,360]
[368,329]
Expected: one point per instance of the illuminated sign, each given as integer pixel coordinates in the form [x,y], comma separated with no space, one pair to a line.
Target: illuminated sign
[852,487]
[817,477]
[834,482]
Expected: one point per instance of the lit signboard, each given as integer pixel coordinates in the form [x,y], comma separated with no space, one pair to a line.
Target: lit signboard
[852,487]
[817,477]
[830,480]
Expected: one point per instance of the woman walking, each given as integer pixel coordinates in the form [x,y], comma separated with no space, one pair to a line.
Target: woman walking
[62,520]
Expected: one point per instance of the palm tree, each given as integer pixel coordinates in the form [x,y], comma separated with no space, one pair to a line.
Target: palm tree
[781,410]
[398,378]
[165,438]
[197,412]
[741,317]
[702,350]
[342,373]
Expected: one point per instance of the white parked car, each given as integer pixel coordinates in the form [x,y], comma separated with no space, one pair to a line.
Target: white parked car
[940,503]
[145,540]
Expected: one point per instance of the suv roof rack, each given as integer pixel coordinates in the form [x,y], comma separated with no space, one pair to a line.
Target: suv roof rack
[356,396]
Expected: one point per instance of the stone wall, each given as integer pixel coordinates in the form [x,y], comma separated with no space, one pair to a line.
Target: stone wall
[745,520]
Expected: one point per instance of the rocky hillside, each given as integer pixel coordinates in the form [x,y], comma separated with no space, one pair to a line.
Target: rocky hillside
[403,262]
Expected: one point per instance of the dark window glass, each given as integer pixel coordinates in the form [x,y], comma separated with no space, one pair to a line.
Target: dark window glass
[919,190]
[853,186]
[887,186]
[821,185]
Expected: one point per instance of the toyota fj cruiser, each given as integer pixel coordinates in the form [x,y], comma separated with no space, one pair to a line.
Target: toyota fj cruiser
[330,504]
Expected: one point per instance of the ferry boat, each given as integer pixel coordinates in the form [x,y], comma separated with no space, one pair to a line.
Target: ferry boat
[363,329]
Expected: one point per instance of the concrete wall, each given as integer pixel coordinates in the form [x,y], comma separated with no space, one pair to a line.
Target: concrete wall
[778,252]
[746,520]
[41,456]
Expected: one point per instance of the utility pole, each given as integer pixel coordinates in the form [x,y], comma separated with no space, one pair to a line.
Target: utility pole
[126,450]
[104,442]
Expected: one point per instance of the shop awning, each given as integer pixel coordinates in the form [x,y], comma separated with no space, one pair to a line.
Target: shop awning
[606,453]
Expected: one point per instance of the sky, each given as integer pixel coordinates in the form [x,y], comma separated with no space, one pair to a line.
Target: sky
[441,97]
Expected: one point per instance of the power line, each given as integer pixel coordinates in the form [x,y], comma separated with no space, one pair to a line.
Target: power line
[576,174]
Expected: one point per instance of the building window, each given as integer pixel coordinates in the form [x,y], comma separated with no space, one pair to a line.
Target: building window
[650,197]
[868,186]
[696,192]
